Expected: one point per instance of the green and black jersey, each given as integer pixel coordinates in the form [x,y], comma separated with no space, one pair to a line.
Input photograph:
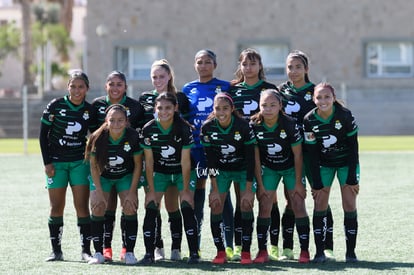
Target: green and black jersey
[120,154]
[167,144]
[230,149]
[134,110]
[64,130]
[246,98]
[275,143]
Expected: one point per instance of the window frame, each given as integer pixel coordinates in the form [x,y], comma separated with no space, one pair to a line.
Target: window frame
[383,65]
[131,49]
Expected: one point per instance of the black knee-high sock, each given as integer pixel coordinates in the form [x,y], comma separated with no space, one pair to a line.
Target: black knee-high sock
[228,221]
[55,232]
[262,228]
[97,230]
[190,225]
[199,199]
[351,232]
[238,227]
[217,231]
[131,229]
[123,230]
[158,236]
[247,229]
[149,227]
[275,225]
[319,231]
[288,225]
[84,226]
[302,227]
[109,228]
[329,229]
[176,228]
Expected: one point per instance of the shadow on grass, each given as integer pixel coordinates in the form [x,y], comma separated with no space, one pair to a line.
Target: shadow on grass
[205,265]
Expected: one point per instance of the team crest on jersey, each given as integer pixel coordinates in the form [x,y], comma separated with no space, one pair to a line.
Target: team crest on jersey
[237,136]
[51,117]
[128,112]
[308,96]
[127,147]
[147,141]
[283,134]
[338,125]
[218,89]
[206,139]
[86,115]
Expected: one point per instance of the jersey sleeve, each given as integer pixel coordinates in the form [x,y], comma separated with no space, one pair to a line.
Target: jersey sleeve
[353,159]
[313,150]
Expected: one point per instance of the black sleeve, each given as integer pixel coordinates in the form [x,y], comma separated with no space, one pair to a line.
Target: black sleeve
[250,158]
[313,151]
[183,104]
[211,160]
[353,159]
[44,143]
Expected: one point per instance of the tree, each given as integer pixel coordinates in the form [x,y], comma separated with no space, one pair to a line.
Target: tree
[9,40]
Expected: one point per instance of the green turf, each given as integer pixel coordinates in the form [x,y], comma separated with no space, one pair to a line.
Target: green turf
[366,143]
[385,239]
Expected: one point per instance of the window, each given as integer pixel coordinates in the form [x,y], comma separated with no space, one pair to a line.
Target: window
[273,57]
[389,59]
[136,61]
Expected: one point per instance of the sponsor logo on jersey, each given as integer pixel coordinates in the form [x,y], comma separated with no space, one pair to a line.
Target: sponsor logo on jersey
[204,103]
[227,149]
[114,161]
[274,148]
[292,107]
[328,140]
[167,151]
[249,106]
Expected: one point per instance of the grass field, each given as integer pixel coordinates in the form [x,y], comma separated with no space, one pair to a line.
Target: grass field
[385,211]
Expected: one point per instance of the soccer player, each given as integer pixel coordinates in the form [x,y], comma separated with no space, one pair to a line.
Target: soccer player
[278,155]
[245,90]
[229,144]
[64,126]
[116,87]
[201,93]
[297,94]
[115,158]
[331,138]
[167,140]
[162,77]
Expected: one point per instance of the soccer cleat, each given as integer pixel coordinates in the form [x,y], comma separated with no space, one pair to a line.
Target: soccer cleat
[194,258]
[351,258]
[220,258]
[148,259]
[107,253]
[159,254]
[287,254]
[229,253]
[98,258]
[237,253]
[175,255]
[55,256]
[246,258]
[304,257]
[319,259]
[130,258]
[122,254]
[85,256]
[274,253]
[329,255]
[261,257]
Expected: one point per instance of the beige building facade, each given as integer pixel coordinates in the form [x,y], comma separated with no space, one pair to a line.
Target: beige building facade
[364,48]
